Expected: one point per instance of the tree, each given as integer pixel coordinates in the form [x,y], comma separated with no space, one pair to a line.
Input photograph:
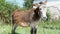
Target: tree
[6,9]
[28,3]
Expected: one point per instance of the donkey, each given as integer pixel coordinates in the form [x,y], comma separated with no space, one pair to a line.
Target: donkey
[29,18]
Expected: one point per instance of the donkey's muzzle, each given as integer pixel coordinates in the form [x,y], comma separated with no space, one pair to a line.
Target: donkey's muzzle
[44,18]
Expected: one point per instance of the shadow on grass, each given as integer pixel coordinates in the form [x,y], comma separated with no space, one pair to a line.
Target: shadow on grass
[51,28]
[15,33]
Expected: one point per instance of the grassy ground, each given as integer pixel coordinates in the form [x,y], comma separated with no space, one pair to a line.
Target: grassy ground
[49,28]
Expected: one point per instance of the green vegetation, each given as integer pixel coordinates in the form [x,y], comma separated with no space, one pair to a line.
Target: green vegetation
[7,8]
[28,4]
[49,28]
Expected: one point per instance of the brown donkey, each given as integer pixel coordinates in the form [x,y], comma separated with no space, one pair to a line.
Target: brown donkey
[29,17]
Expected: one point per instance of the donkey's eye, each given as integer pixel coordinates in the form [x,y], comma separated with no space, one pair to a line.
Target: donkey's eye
[40,9]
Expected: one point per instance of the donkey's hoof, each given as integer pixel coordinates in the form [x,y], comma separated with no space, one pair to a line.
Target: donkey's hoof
[12,33]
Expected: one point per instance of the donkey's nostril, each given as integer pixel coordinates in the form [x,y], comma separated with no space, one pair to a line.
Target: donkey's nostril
[44,18]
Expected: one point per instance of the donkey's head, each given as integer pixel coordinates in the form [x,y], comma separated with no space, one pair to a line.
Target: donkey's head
[42,9]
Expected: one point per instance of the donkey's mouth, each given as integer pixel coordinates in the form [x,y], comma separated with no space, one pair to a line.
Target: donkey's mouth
[43,18]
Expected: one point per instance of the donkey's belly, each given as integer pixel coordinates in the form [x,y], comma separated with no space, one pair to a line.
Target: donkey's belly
[27,24]
[23,24]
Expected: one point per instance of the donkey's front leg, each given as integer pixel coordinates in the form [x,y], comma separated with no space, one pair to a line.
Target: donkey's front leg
[33,30]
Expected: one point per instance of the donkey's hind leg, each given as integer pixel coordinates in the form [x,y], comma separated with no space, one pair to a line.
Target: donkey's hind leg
[13,29]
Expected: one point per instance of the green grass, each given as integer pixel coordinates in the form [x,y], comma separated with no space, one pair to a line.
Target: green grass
[49,28]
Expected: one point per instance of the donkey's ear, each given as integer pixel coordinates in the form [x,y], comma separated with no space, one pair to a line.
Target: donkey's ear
[34,7]
[33,4]
[45,2]
[40,2]
[36,4]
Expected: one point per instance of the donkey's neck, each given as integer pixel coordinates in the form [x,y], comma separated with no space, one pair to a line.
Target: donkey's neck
[36,16]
